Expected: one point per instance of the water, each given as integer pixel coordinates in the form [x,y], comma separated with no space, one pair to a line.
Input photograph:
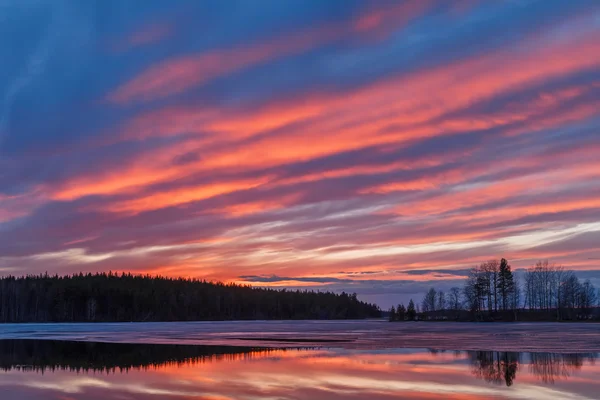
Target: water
[69,370]
[299,360]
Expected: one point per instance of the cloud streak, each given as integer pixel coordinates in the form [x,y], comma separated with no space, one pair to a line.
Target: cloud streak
[381,140]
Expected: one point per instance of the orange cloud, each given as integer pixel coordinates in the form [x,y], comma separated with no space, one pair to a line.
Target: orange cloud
[256,207]
[155,201]
[398,111]
[393,112]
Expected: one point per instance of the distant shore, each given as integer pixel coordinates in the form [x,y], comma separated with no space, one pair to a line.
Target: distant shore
[550,315]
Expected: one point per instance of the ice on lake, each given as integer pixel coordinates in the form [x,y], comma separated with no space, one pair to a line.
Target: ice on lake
[367,334]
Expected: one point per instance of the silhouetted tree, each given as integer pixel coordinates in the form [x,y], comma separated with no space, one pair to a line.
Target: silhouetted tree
[477,290]
[549,286]
[542,285]
[454,299]
[547,291]
[411,312]
[588,295]
[393,314]
[506,283]
[401,312]
[441,301]
[429,301]
[515,300]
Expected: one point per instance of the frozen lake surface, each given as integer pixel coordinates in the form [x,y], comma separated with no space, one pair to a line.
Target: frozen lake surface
[369,334]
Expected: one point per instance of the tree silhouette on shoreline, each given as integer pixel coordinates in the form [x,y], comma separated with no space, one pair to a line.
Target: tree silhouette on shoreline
[493,292]
[123,298]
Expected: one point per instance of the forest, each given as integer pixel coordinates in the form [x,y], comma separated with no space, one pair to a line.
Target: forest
[545,292]
[109,297]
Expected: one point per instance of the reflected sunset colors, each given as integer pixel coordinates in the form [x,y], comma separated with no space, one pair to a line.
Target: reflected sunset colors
[49,370]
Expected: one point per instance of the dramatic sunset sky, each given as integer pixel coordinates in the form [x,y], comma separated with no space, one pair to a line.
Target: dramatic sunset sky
[376,147]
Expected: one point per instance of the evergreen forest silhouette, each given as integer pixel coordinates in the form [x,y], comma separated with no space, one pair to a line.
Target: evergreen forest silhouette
[108,297]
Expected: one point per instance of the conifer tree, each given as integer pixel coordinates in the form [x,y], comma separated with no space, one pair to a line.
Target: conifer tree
[411,313]
[401,312]
[506,283]
[392,314]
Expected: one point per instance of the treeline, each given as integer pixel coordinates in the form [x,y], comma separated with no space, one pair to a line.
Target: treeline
[404,313]
[493,292]
[108,297]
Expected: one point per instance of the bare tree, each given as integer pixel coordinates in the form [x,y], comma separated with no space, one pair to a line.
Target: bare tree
[515,299]
[544,286]
[570,289]
[441,301]
[470,295]
[454,299]
[477,289]
[429,301]
[588,295]
[489,277]
[492,286]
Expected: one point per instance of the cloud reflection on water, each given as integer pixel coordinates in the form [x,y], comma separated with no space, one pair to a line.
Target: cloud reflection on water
[66,371]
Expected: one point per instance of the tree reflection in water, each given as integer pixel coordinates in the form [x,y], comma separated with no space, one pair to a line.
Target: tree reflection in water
[42,355]
[495,366]
[501,367]
[550,366]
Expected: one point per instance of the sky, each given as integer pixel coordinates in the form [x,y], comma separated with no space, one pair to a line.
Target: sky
[377,147]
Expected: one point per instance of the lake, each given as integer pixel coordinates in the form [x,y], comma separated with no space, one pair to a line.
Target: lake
[299,360]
